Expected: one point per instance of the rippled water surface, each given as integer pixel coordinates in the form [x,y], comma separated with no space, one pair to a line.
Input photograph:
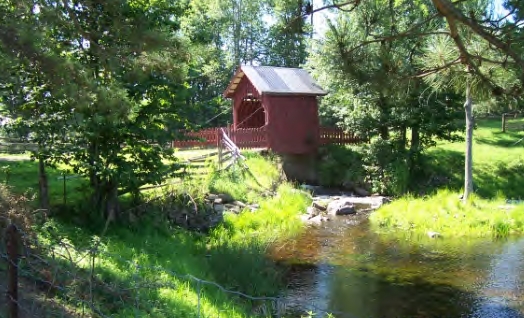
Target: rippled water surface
[345,268]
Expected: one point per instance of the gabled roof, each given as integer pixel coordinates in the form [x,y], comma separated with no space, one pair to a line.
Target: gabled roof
[276,80]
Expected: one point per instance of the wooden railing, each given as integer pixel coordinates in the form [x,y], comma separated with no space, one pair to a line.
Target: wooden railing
[337,136]
[244,138]
[249,138]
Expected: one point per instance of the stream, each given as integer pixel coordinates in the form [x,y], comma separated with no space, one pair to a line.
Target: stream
[345,268]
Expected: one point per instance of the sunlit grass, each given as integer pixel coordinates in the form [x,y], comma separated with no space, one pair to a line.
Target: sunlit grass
[447,215]
[498,174]
[233,255]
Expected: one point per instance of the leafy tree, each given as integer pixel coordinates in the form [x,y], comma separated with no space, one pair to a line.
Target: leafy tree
[484,45]
[114,67]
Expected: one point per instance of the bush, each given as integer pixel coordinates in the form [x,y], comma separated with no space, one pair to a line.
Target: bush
[379,167]
[339,164]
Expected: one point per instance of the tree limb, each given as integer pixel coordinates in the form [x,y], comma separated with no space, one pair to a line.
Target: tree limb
[451,13]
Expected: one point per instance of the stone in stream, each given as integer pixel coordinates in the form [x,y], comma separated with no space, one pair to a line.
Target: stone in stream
[226,198]
[361,192]
[341,207]
[319,205]
[312,211]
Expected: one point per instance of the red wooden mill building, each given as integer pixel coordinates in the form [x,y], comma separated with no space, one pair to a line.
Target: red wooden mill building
[274,108]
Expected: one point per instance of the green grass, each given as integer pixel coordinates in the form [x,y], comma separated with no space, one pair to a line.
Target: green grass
[234,255]
[498,174]
[21,175]
[446,214]
[498,164]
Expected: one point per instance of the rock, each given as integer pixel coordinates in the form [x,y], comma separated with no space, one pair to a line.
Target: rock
[315,220]
[239,203]
[361,192]
[212,197]
[348,185]
[341,207]
[132,218]
[304,218]
[312,211]
[432,234]
[232,208]
[219,208]
[226,198]
[218,201]
[319,205]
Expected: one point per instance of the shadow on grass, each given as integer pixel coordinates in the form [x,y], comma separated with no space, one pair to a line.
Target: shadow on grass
[22,177]
[500,139]
[445,169]
[162,255]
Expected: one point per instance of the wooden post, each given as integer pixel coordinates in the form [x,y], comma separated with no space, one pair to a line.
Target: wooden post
[65,188]
[11,237]
[219,146]
[503,123]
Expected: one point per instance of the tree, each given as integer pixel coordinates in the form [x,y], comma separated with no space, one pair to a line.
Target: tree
[114,67]
[285,43]
[374,86]
[479,37]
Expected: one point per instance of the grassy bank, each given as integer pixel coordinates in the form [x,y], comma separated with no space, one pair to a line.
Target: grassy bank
[498,173]
[446,214]
[150,252]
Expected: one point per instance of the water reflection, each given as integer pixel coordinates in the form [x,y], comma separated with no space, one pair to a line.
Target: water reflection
[358,273]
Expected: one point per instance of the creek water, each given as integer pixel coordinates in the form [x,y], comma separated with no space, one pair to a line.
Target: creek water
[345,268]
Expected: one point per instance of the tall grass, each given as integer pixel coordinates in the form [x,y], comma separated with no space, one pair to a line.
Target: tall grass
[446,214]
[233,255]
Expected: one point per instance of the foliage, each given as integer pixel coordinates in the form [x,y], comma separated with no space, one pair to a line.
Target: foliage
[374,90]
[338,164]
[444,213]
[378,166]
[242,240]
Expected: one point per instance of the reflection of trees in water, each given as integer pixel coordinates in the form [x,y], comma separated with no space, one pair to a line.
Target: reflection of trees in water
[367,294]
[372,275]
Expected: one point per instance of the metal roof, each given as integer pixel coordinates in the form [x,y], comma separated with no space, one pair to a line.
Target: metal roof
[276,80]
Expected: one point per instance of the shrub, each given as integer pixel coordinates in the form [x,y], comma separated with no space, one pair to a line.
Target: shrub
[379,166]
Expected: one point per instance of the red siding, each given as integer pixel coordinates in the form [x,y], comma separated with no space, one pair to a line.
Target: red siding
[293,124]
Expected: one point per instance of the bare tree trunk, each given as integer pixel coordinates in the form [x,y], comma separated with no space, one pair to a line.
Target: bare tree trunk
[403,137]
[415,139]
[468,173]
[43,185]
[112,205]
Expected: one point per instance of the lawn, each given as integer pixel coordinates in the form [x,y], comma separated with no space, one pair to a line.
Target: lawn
[498,163]
[498,174]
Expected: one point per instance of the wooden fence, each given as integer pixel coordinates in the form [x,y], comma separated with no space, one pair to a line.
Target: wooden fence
[16,146]
[244,138]
[337,136]
[249,138]
[512,122]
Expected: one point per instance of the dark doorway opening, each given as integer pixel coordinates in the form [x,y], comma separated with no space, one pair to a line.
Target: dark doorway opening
[251,114]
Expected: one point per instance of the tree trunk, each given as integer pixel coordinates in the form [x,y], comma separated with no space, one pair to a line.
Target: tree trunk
[112,205]
[384,132]
[415,139]
[468,173]
[43,185]
[403,137]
